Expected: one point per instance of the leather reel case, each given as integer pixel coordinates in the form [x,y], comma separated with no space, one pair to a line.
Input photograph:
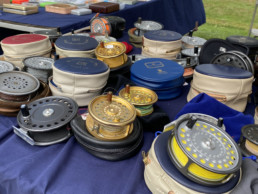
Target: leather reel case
[229,85]
[21,46]
[76,46]
[161,44]
[79,78]
[104,7]
[163,76]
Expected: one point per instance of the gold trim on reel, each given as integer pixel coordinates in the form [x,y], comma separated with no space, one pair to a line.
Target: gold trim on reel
[110,117]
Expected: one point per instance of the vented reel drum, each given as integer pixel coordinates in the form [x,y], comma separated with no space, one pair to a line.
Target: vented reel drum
[146,25]
[110,117]
[203,151]
[249,140]
[46,121]
[235,59]
[142,98]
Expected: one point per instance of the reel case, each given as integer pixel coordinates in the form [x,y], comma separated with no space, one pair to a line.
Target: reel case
[46,120]
[203,151]
[249,140]
[142,98]
[110,117]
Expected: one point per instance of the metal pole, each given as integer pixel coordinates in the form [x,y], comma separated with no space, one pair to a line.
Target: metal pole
[252,22]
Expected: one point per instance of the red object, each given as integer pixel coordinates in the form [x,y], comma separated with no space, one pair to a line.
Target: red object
[129,47]
[19,1]
[23,38]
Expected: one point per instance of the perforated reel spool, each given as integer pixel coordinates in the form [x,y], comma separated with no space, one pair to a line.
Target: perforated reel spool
[18,86]
[142,98]
[249,139]
[100,25]
[145,26]
[46,120]
[6,66]
[110,117]
[203,151]
[235,59]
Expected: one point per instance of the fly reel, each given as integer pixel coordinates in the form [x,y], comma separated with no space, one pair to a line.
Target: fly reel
[110,117]
[192,41]
[146,25]
[235,59]
[249,140]
[142,98]
[46,121]
[111,53]
[6,66]
[18,86]
[203,151]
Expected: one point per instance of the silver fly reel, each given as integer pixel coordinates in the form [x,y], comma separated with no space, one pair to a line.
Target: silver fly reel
[46,121]
[146,25]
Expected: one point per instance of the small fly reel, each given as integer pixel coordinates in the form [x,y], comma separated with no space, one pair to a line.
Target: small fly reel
[6,66]
[235,59]
[146,25]
[110,117]
[40,67]
[111,53]
[46,121]
[18,86]
[192,41]
[142,98]
[203,151]
[249,140]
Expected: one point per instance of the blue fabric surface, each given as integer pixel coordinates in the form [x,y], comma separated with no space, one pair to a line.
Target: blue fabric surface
[179,16]
[223,71]
[79,65]
[163,35]
[233,119]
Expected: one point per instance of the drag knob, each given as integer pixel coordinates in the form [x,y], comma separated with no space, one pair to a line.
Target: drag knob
[191,122]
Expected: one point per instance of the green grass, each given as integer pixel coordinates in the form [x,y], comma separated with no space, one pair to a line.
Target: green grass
[227,17]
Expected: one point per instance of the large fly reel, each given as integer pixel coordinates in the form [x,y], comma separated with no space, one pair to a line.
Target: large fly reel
[235,59]
[46,121]
[142,98]
[249,140]
[203,151]
[110,117]
[143,26]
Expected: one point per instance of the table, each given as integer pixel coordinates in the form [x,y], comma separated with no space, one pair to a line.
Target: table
[176,15]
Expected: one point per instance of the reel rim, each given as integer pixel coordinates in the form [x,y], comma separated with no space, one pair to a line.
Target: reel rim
[35,127]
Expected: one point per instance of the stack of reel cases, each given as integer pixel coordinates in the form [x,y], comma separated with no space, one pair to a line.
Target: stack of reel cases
[197,155]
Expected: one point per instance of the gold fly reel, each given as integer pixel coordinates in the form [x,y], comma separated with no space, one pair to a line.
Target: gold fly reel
[112,53]
[110,117]
[142,98]
[203,151]
[250,133]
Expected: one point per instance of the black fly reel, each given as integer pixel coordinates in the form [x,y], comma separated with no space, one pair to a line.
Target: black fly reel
[235,59]
[249,140]
[202,151]
[46,121]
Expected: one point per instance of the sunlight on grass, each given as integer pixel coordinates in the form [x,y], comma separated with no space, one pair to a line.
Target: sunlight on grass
[226,18]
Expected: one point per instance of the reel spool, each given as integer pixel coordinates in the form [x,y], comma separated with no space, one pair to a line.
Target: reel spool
[110,25]
[46,120]
[249,140]
[112,53]
[203,151]
[18,86]
[40,67]
[6,66]
[142,98]
[110,117]
[146,25]
[235,59]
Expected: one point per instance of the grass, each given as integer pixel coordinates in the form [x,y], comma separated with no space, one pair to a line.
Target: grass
[227,17]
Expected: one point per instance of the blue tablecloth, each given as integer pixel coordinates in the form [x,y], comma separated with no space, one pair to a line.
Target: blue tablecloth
[175,15]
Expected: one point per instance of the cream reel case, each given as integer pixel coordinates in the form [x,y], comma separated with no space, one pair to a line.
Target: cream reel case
[78,78]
